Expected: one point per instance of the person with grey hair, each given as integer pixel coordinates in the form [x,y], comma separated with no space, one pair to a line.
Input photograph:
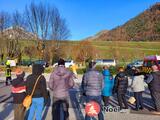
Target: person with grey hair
[92,85]
[154,86]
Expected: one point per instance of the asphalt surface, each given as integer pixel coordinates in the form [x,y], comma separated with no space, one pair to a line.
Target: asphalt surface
[76,108]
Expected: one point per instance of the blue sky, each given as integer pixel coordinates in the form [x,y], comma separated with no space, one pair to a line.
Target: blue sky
[87,17]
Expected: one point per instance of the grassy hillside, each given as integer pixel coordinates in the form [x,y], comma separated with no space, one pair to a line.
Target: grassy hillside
[143,27]
[127,50]
[122,51]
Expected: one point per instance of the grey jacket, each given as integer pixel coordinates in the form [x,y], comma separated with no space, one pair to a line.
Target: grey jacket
[138,84]
[154,81]
[61,80]
[92,83]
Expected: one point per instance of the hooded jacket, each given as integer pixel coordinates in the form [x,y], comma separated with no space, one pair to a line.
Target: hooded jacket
[121,83]
[18,89]
[61,80]
[108,83]
[41,88]
[138,84]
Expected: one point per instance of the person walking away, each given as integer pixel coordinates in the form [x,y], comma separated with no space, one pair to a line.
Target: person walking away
[19,92]
[92,85]
[8,73]
[40,96]
[154,86]
[61,80]
[120,87]
[138,86]
[108,85]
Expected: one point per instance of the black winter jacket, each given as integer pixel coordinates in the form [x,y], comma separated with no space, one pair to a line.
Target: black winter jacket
[41,88]
[121,83]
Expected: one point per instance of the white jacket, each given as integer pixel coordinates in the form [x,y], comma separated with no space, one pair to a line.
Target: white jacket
[138,84]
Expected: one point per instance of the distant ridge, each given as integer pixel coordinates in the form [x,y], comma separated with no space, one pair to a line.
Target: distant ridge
[19,32]
[144,27]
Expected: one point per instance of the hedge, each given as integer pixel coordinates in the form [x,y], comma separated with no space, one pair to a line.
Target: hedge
[112,69]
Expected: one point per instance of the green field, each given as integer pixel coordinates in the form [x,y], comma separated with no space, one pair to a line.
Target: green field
[125,50]
[121,51]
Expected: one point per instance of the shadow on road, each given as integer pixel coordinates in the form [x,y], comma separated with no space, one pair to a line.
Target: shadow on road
[75,104]
[7,109]
[46,109]
[6,99]
[2,96]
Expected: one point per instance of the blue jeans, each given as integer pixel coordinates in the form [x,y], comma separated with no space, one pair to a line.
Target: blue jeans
[97,99]
[36,108]
[139,100]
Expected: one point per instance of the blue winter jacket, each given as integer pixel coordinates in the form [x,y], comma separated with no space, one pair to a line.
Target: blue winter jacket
[108,83]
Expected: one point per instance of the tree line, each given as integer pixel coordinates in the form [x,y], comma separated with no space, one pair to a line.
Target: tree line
[44,21]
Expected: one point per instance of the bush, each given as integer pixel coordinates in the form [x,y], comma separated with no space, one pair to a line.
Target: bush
[81,70]
[113,70]
[99,68]
[48,70]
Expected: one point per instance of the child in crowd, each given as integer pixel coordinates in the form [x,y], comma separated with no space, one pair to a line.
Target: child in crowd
[19,93]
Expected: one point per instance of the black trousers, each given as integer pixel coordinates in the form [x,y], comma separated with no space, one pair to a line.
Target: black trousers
[122,100]
[8,79]
[139,99]
[105,100]
[60,110]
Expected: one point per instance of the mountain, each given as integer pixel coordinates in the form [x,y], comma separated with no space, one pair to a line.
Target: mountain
[18,32]
[144,27]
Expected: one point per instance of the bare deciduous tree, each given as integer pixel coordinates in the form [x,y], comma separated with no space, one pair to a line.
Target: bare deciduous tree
[43,20]
[59,29]
[85,51]
[18,25]
[4,24]
[30,51]
[46,23]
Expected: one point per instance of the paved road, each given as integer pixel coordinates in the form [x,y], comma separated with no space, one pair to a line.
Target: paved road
[76,108]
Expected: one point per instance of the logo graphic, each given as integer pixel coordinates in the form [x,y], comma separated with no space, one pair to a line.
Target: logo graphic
[92,109]
[111,109]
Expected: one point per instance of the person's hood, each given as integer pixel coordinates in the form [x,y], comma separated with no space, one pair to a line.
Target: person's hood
[106,72]
[121,74]
[37,69]
[21,75]
[61,71]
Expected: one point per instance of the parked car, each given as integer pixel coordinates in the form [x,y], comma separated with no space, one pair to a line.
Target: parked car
[26,63]
[108,62]
[41,62]
[136,64]
[68,63]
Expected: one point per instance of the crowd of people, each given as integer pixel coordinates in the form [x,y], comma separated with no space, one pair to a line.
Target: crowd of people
[96,86]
